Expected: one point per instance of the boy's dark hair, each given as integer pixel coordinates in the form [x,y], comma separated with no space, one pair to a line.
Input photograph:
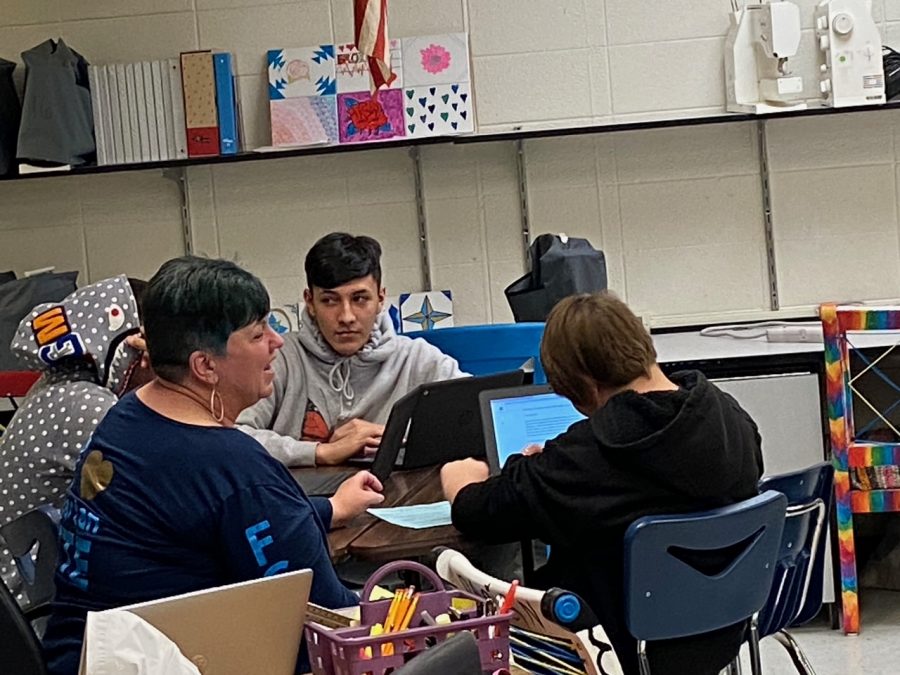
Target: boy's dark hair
[195,304]
[340,257]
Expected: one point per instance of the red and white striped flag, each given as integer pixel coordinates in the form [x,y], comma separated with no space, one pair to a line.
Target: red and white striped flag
[370,21]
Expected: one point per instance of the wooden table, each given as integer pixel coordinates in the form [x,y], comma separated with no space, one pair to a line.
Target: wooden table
[383,541]
[400,489]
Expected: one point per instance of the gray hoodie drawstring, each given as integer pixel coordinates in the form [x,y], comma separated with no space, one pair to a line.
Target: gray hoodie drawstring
[339,379]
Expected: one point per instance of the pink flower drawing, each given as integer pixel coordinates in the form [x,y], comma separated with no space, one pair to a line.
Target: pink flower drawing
[435,59]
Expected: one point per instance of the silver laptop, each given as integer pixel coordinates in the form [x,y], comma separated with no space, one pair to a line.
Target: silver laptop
[249,627]
[517,417]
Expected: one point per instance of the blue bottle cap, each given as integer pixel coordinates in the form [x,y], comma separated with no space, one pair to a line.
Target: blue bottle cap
[567,607]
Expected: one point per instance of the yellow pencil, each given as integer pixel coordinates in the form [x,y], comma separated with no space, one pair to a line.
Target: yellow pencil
[409,613]
[392,610]
[402,608]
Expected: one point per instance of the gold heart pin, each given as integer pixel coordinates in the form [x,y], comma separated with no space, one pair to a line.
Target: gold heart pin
[96,475]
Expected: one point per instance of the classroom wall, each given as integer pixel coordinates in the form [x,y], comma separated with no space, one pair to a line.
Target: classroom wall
[677,211]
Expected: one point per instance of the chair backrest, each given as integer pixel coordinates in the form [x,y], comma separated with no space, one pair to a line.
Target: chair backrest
[492,348]
[20,651]
[691,574]
[796,594]
[40,527]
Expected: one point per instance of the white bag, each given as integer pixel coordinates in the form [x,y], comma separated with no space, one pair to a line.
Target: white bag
[117,642]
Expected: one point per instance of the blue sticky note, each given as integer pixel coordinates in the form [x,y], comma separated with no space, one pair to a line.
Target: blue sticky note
[418,517]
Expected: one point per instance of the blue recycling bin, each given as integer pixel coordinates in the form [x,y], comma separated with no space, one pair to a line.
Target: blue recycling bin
[490,348]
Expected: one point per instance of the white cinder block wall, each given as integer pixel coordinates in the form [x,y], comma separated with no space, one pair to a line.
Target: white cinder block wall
[678,211]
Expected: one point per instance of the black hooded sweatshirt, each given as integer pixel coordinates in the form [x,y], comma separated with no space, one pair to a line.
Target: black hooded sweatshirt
[641,454]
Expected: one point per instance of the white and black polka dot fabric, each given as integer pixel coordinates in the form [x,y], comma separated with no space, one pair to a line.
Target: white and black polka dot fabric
[40,447]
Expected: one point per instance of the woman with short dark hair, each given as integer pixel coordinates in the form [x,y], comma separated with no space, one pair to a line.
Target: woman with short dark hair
[168,496]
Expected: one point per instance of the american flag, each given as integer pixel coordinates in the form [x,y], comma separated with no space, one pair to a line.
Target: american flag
[370,21]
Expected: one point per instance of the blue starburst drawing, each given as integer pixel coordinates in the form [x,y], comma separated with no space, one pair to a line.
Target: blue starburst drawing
[427,316]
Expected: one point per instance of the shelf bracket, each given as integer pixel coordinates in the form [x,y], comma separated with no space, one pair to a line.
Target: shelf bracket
[422,218]
[524,215]
[178,175]
[774,302]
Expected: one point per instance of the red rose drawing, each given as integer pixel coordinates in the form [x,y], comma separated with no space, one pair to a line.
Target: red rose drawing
[368,116]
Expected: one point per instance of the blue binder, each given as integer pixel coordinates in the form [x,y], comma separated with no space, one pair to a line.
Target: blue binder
[226,102]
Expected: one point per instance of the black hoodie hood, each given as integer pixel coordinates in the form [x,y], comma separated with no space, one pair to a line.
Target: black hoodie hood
[692,439]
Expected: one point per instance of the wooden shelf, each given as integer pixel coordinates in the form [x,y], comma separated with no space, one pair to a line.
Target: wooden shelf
[517,135]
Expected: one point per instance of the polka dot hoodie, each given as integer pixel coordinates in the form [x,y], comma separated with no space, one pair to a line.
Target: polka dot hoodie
[78,344]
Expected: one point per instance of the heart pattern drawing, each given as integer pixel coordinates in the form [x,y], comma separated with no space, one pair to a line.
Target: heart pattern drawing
[439,110]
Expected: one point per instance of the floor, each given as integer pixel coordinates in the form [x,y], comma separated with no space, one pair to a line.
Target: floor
[875,651]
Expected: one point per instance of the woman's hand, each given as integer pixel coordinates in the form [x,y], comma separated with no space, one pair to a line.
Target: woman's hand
[356,494]
[456,475]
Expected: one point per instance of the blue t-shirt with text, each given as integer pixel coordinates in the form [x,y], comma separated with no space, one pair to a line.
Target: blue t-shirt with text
[158,508]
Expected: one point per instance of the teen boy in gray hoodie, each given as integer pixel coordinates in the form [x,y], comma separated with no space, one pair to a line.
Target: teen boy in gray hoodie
[338,376]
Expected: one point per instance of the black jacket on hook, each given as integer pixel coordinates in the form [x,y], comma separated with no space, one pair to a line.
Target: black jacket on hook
[10,114]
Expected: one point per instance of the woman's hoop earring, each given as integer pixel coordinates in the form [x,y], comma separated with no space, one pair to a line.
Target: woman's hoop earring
[215,397]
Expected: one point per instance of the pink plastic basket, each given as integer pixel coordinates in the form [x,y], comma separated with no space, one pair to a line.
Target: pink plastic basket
[342,651]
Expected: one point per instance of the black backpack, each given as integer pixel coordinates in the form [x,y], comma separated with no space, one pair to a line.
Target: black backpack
[559,266]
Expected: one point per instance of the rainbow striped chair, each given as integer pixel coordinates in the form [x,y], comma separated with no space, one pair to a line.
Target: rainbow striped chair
[865,442]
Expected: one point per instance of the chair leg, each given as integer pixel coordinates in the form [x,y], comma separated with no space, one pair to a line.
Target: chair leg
[643,661]
[801,663]
[847,546]
[753,645]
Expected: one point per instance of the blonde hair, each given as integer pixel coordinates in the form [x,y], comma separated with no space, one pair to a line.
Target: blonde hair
[591,340]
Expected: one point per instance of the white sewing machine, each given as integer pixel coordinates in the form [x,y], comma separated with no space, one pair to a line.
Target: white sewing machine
[851,71]
[761,39]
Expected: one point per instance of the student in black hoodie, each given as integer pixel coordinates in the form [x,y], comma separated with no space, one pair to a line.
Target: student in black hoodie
[651,445]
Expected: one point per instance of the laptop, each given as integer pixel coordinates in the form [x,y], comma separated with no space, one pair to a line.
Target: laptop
[517,417]
[437,423]
[249,627]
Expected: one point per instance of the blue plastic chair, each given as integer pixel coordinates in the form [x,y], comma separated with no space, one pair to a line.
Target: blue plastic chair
[492,348]
[796,595]
[668,595]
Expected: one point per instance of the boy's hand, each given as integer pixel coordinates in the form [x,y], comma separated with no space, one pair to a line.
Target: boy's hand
[457,475]
[347,440]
